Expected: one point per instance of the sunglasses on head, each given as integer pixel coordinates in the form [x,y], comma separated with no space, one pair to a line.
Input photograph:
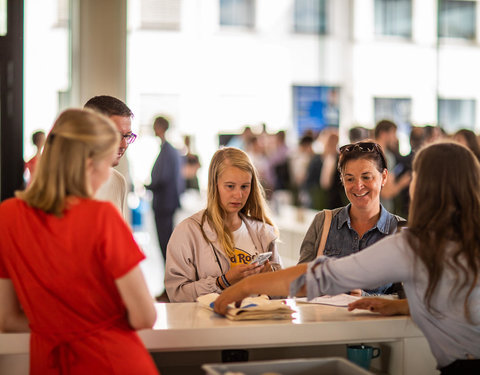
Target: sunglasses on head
[367,147]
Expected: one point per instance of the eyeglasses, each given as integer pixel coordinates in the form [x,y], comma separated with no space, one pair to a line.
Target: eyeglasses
[129,138]
[368,147]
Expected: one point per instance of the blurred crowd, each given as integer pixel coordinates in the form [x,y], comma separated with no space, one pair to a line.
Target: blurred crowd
[305,174]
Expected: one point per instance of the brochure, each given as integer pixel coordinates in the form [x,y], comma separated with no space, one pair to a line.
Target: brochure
[252,308]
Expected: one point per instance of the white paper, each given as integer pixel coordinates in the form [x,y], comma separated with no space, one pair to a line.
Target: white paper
[341,300]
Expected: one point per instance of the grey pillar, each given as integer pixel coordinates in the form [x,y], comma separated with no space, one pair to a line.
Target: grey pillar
[99,36]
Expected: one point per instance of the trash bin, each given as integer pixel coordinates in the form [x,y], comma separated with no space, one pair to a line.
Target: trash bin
[311,366]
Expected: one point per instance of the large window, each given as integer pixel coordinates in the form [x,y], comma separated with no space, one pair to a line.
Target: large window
[454,114]
[160,14]
[237,13]
[397,110]
[393,17]
[310,16]
[456,19]
[47,71]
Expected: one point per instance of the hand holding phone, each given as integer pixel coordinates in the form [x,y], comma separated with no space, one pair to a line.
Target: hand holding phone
[261,258]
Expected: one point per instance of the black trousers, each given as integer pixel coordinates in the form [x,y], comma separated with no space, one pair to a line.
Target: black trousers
[462,367]
[164,224]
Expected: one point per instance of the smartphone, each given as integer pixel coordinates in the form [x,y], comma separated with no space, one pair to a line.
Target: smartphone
[261,258]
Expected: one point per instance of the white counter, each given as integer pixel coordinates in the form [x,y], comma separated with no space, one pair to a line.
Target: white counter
[186,327]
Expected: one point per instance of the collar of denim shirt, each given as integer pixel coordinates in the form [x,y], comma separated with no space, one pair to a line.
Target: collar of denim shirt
[382,223]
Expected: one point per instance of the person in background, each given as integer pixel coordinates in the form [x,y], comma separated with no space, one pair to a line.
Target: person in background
[386,137]
[242,140]
[115,189]
[69,264]
[437,258]
[358,133]
[310,191]
[257,153]
[299,162]
[330,178]
[404,166]
[190,165]
[432,133]
[167,184]
[215,247]
[468,138]
[38,140]
[363,171]
[278,161]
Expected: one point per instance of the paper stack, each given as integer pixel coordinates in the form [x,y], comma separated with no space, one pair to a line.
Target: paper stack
[252,308]
[341,300]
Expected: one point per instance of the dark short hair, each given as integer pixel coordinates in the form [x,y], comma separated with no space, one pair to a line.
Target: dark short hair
[109,106]
[357,133]
[306,140]
[384,126]
[161,122]
[36,136]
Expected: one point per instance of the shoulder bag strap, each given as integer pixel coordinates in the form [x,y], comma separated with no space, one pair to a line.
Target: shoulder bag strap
[326,229]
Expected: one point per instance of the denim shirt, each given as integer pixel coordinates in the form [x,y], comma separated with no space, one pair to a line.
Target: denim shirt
[343,240]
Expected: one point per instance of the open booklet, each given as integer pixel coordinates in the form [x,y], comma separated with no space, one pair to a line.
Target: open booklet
[341,300]
[252,308]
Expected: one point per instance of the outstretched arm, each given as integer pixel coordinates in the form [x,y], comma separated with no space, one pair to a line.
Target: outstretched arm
[271,283]
[382,305]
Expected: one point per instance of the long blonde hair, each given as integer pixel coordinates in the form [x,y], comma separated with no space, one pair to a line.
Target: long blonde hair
[446,208]
[76,136]
[255,207]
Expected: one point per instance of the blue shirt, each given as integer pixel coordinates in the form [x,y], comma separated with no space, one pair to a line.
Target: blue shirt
[343,240]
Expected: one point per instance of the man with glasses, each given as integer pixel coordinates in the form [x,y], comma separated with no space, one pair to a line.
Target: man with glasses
[115,189]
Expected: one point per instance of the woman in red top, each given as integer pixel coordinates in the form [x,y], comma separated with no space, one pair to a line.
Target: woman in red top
[69,265]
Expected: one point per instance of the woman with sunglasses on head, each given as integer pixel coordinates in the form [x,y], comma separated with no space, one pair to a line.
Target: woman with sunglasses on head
[217,247]
[361,223]
[437,258]
[69,266]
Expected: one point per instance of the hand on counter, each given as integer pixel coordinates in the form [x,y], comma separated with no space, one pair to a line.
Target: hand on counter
[382,306]
[269,283]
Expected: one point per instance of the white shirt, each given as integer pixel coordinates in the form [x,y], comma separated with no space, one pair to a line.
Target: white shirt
[244,246]
[115,191]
